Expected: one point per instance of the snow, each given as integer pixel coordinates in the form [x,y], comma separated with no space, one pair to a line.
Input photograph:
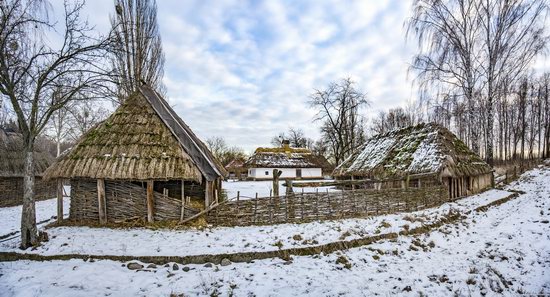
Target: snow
[248,189]
[218,240]
[45,211]
[503,251]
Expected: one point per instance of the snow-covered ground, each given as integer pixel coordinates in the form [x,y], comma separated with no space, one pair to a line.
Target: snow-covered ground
[248,189]
[219,240]
[503,251]
[45,211]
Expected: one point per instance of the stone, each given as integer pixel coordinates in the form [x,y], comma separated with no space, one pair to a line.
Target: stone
[185,268]
[208,265]
[153,266]
[134,266]
[225,262]
[175,267]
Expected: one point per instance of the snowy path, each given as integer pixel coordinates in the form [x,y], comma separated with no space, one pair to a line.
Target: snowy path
[219,240]
[503,251]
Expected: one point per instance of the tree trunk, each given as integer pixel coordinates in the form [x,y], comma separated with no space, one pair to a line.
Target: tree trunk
[29,232]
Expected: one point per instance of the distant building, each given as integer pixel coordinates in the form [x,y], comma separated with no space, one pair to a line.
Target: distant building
[236,169]
[296,163]
[418,156]
[12,161]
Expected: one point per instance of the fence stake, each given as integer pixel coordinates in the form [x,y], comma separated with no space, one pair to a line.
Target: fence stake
[302,204]
[255,207]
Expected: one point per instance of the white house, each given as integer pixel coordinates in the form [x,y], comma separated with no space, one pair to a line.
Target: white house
[296,163]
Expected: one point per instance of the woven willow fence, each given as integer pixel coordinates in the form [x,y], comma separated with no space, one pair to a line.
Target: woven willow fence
[11,190]
[124,201]
[304,207]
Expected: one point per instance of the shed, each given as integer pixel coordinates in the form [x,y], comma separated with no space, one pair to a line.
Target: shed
[12,161]
[415,156]
[298,163]
[236,169]
[141,161]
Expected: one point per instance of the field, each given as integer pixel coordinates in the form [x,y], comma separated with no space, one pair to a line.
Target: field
[498,243]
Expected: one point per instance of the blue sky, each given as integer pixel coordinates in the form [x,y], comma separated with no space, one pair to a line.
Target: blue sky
[244,69]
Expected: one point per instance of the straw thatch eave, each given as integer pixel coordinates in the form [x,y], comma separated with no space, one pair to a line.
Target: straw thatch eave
[424,149]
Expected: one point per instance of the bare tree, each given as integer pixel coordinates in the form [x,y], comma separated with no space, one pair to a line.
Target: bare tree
[224,153]
[137,53]
[392,119]
[296,137]
[475,51]
[33,70]
[342,125]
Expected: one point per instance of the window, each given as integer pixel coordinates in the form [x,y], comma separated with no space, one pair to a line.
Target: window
[267,173]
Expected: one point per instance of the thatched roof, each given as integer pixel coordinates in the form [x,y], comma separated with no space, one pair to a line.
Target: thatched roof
[285,157]
[416,150]
[12,159]
[235,163]
[143,139]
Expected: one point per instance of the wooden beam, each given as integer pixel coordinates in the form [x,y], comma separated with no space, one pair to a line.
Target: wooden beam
[101,201]
[59,200]
[182,200]
[150,202]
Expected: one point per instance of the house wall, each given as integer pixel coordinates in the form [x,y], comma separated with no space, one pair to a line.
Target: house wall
[307,173]
[11,190]
[124,200]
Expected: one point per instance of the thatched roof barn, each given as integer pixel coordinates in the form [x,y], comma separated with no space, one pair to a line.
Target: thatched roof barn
[143,142]
[12,161]
[298,163]
[416,153]
[236,169]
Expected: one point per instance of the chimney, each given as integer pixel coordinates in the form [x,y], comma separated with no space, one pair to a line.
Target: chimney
[286,144]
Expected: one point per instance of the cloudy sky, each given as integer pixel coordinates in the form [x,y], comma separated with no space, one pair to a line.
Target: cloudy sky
[244,69]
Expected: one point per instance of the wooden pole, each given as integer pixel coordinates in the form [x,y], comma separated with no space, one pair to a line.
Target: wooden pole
[150,202]
[182,201]
[101,201]
[238,195]
[276,175]
[207,194]
[59,200]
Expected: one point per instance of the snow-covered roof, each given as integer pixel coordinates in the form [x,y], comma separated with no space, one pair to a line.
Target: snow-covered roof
[285,157]
[421,149]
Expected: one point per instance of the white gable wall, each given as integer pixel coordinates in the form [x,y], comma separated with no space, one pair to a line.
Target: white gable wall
[267,173]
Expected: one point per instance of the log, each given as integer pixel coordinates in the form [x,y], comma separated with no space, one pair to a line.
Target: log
[102,205]
[150,202]
[59,200]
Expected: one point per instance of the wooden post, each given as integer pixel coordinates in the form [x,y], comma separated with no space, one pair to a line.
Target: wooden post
[150,202]
[59,200]
[352,183]
[255,207]
[276,174]
[207,194]
[289,189]
[238,195]
[101,201]
[182,201]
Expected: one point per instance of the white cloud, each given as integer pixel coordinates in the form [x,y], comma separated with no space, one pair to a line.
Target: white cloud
[244,70]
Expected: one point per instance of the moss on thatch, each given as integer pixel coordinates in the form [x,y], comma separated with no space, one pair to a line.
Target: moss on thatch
[12,159]
[132,144]
[415,150]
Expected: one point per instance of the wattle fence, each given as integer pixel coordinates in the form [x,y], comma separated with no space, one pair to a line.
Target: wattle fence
[305,207]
